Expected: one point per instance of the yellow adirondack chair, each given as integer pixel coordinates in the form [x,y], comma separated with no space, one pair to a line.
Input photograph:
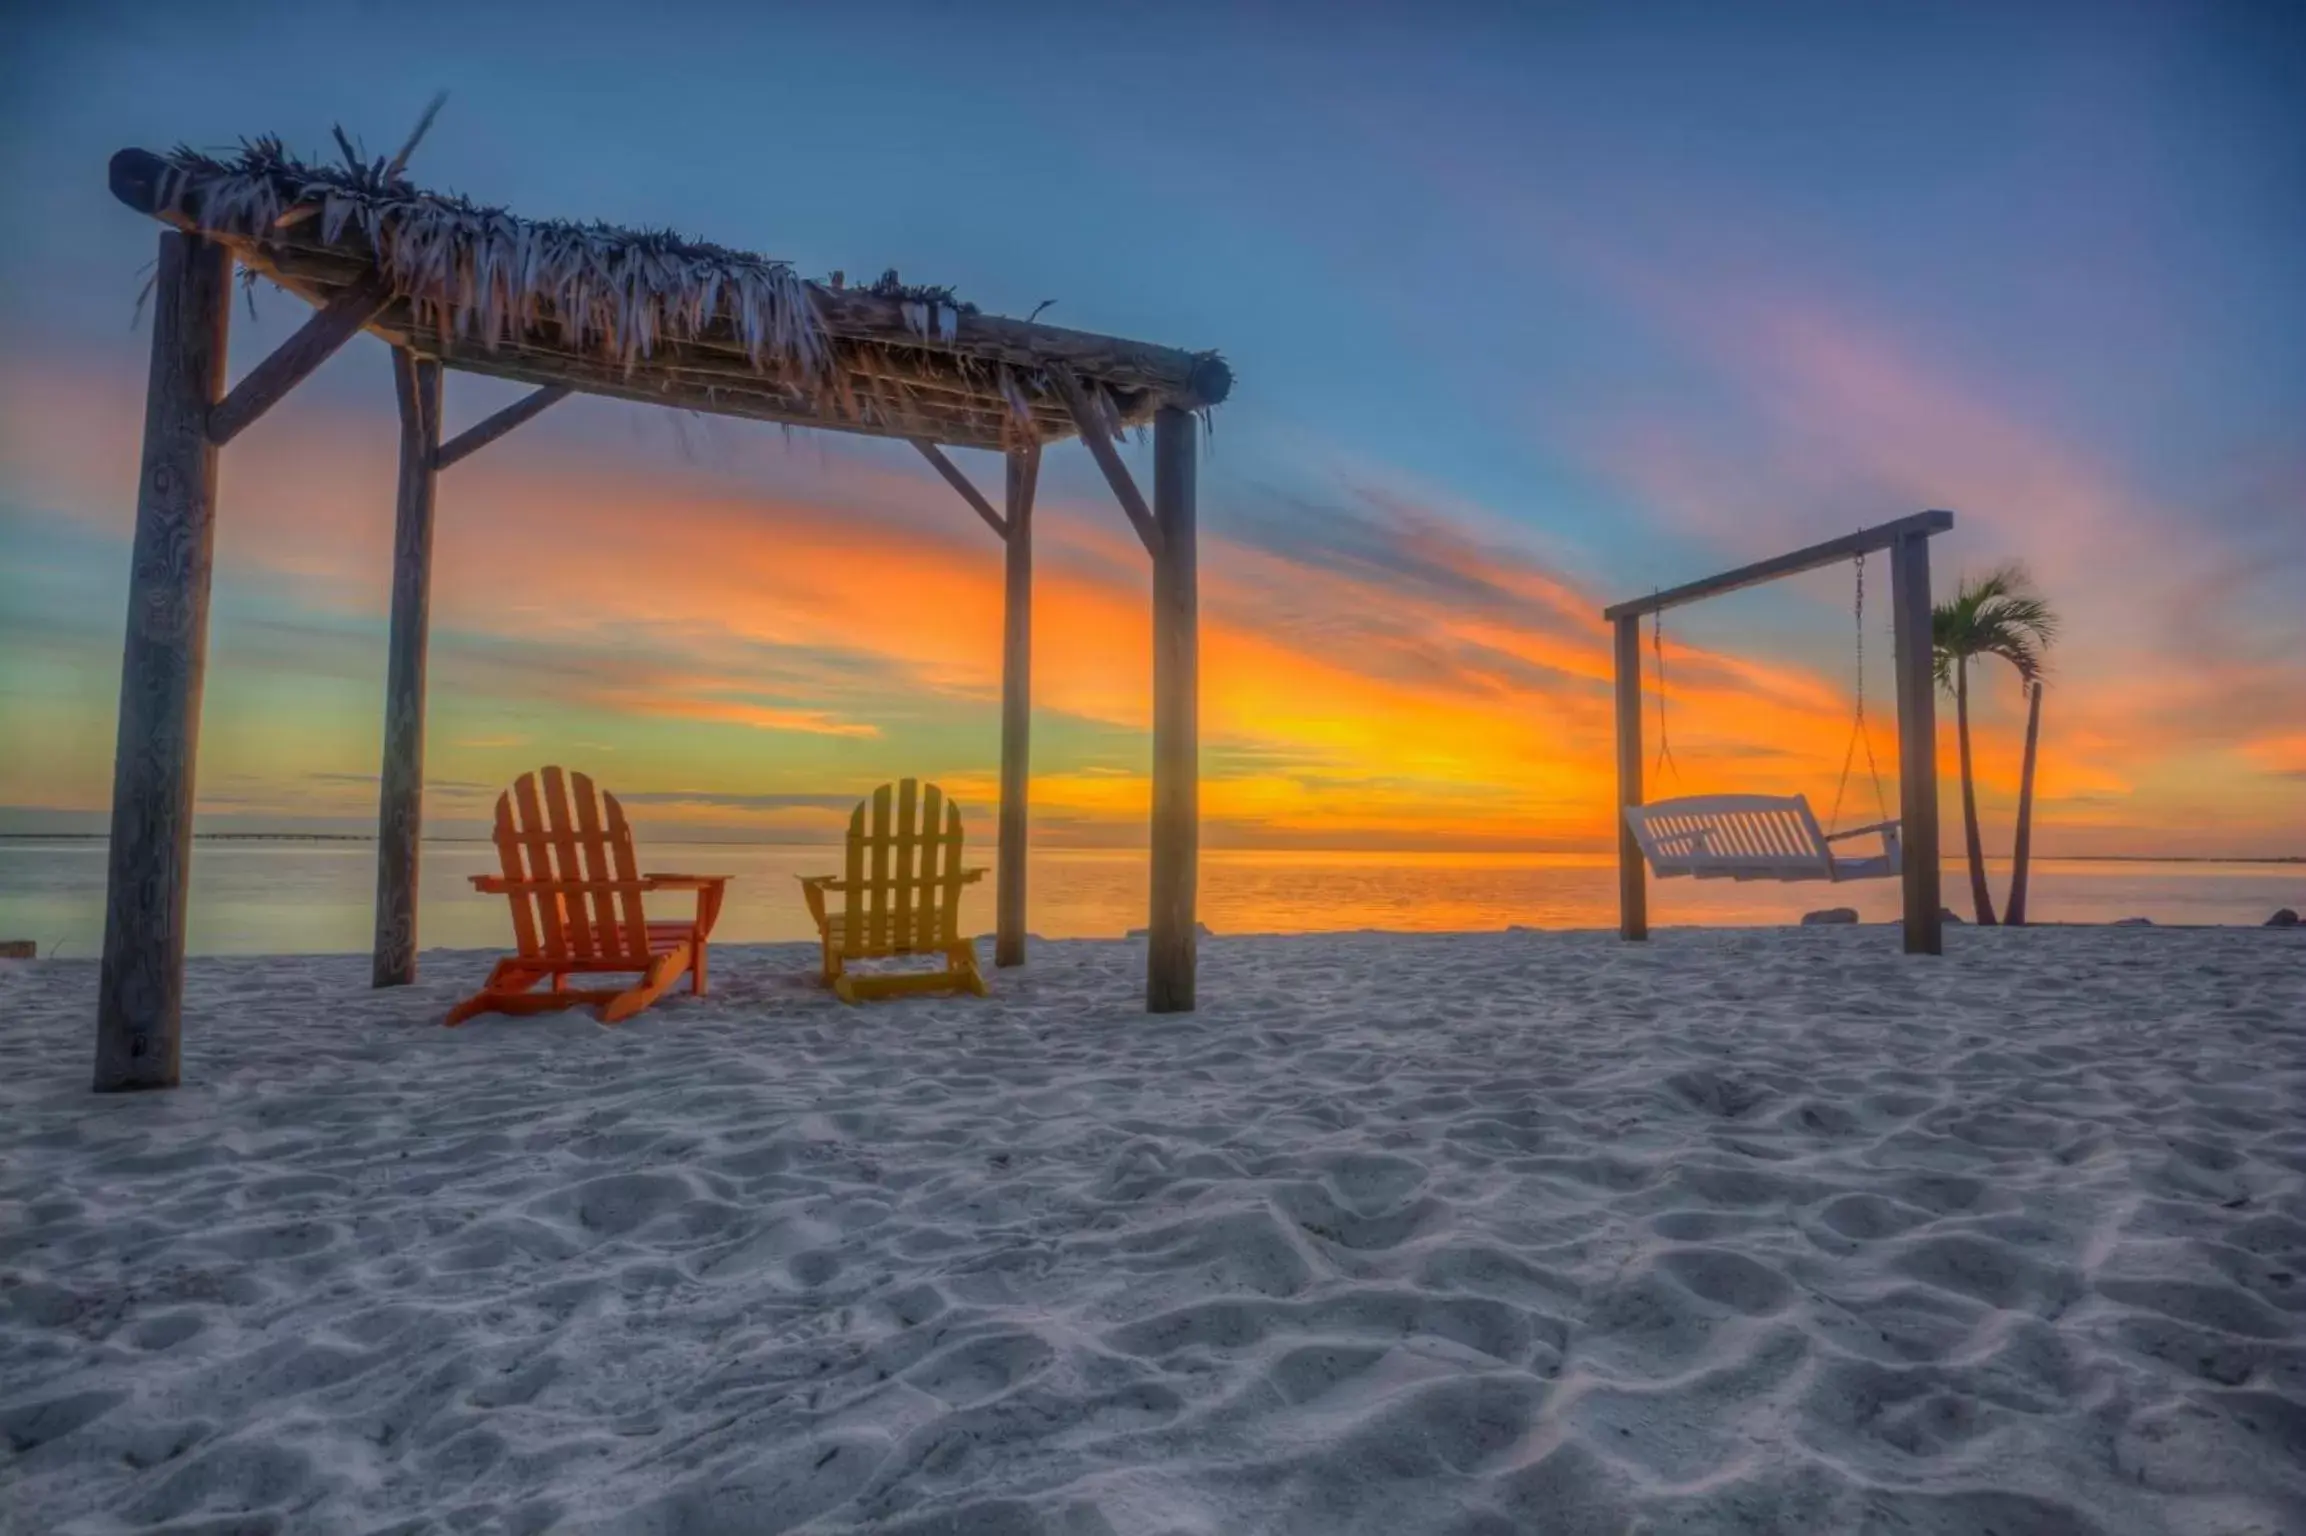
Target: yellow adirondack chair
[576,906]
[902,895]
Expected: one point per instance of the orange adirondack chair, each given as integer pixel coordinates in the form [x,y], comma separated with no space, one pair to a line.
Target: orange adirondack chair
[895,906]
[576,906]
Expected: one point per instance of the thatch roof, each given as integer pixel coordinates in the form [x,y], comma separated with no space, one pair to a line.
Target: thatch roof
[649,315]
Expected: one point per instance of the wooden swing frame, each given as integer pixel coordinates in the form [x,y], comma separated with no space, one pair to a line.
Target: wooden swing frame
[1908,541]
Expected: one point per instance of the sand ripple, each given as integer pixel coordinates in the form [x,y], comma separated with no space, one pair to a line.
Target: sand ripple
[1465,1235]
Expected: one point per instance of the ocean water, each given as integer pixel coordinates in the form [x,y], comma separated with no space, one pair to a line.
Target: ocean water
[267,897]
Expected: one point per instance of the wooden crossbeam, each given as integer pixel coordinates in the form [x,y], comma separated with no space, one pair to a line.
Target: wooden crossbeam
[292,362]
[478,436]
[1864,541]
[1092,425]
[961,483]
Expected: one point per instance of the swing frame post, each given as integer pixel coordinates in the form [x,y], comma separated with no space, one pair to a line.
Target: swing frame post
[1917,741]
[1632,872]
[1908,541]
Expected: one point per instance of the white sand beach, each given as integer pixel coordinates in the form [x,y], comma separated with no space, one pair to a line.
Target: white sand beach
[1736,1232]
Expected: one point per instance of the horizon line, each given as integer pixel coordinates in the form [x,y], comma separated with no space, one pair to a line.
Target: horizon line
[1955,855]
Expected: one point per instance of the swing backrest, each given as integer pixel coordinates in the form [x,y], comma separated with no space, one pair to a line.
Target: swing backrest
[1737,837]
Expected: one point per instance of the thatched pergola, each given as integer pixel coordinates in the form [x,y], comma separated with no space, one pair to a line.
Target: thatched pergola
[585,308]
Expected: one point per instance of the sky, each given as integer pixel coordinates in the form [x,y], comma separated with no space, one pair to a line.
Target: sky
[1530,309]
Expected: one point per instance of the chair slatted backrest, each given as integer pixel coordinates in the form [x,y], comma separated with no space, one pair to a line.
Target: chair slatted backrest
[567,851]
[1755,834]
[903,878]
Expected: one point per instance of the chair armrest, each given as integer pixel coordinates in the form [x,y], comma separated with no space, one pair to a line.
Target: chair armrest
[710,890]
[493,885]
[972,876]
[1889,827]
[813,888]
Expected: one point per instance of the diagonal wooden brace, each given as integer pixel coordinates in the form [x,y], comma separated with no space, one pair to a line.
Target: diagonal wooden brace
[960,482]
[1108,458]
[293,360]
[486,431]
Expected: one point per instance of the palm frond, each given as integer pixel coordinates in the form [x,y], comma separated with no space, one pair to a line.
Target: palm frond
[1998,614]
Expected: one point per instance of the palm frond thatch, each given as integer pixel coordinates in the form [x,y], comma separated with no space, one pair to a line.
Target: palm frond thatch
[485,274]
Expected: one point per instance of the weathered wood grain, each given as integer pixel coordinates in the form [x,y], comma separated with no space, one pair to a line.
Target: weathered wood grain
[1632,869]
[1024,476]
[400,792]
[140,987]
[1917,741]
[1171,944]
[1831,552]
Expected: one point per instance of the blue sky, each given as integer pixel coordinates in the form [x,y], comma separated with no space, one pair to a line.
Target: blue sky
[1591,299]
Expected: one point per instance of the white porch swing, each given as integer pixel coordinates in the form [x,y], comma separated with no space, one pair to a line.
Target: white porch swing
[1763,837]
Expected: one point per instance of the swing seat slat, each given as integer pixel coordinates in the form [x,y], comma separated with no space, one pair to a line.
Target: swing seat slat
[1753,837]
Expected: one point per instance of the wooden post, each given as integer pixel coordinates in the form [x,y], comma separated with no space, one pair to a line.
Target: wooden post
[140,988]
[1917,742]
[1632,872]
[1016,705]
[1170,947]
[400,795]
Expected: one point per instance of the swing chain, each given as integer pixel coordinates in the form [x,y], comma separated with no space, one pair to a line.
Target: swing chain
[1664,742]
[1858,731]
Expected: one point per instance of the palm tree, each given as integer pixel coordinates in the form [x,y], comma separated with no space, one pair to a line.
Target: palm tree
[1997,615]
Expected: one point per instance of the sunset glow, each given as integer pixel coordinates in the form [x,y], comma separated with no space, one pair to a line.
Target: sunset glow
[1402,578]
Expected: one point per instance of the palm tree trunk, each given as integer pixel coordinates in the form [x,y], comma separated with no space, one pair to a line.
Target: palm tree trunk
[2024,851]
[1981,899]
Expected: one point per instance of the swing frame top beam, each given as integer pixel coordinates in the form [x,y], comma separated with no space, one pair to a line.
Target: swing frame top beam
[1832,551]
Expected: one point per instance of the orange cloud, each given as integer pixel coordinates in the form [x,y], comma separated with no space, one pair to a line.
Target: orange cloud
[1377,669]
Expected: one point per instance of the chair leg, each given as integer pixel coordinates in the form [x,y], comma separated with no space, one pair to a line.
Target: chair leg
[503,981]
[697,971]
[663,971]
[965,972]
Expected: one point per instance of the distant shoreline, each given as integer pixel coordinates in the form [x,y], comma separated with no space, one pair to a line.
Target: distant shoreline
[1950,858]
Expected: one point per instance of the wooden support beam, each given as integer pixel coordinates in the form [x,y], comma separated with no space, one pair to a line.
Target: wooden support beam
[1917,741]
[1108,457]
[1864,541]
[478,436]
[725,395]
[292,362]
[1632,870]
[960,482]
[140,987]
[1024,466]
[1192,380]
[1171,942]
[400,793]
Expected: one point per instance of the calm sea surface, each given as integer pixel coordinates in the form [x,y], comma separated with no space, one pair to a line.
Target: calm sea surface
[251,897]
